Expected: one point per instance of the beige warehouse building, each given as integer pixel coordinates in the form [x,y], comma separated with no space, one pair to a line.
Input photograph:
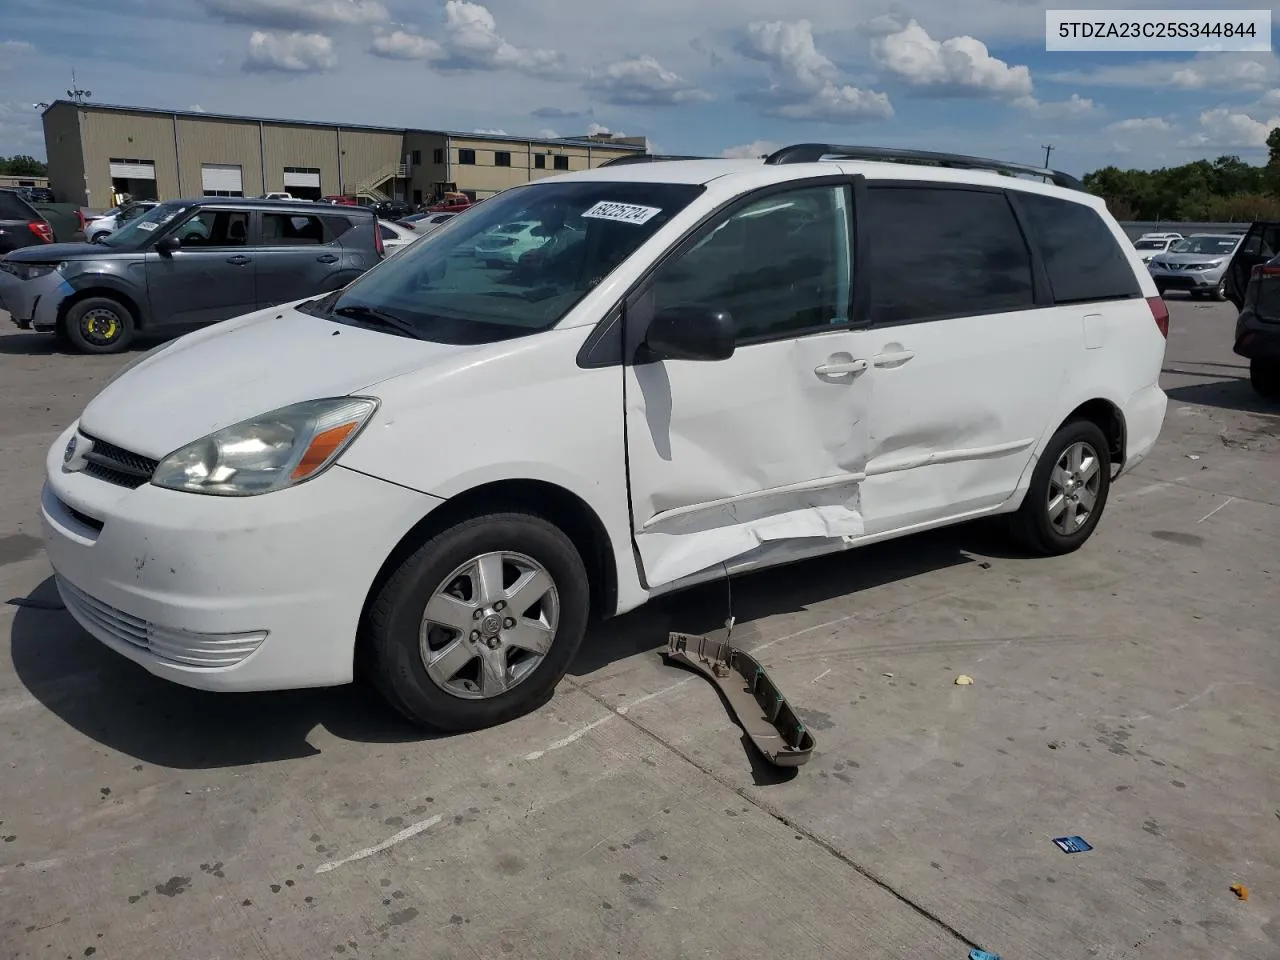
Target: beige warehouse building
[95,151]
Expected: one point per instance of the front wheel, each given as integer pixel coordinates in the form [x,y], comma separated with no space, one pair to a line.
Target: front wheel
[1264,375]
[479,624]
[1220,291]
[1068,491]
[99,325]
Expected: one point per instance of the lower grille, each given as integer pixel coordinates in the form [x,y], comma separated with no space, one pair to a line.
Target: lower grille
[106,461]
[208,650]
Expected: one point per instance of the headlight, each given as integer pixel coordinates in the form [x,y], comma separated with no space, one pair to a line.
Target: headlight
[30,271]
[270,452]
[1208,266]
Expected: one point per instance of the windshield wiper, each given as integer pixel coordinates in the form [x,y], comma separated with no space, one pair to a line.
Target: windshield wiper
[376,316]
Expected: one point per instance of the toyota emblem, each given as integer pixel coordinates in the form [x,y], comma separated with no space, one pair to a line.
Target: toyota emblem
[70,451]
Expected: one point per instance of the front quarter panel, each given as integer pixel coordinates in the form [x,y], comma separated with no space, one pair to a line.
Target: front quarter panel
[520,410]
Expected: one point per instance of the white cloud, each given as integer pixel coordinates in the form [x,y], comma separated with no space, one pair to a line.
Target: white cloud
[1074,107]
[595,129]
[548,133]
[399,45]
[1141,125]
[1223,127]
[750,150]
[643,81]
[1204,71]
[493,133]
[290,53]
[960,66]
[806,83]
[472,42]
[11,51]
[196,108]
[299,14]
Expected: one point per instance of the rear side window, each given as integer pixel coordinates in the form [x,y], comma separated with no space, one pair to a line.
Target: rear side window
[13,207]
[291,229]
[1080,253]
[944,252]
[336,226]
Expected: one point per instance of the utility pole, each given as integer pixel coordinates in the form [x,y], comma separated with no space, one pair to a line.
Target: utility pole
[1048,149]
[76,93]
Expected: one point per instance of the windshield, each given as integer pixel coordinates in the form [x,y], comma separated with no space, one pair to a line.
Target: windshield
[140,231]
[1205,245]
[1151,244]
[513,266]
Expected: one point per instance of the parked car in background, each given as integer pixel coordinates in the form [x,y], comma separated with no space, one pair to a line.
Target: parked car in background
[277,196]
[395,236]
[441,471]
[186,263]
[37,195]
[1148,247]
[426,223]
[99,228]
[392,209]
[1197,265]
[21,225]
[1253,285]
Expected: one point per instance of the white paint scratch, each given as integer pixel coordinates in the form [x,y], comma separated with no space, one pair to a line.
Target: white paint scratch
[1215,510]
[821,675]
[565,741]
[410,831]
[623,710]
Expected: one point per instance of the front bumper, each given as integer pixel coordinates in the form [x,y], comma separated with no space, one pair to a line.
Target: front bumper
[224,593]
[33,304]
[1189,280]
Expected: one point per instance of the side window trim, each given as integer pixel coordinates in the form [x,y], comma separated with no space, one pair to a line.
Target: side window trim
[637,309]
[1038,276]
[1042,290]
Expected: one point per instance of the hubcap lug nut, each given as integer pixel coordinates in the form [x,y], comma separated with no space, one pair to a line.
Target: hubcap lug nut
[477,615]
[508,623]
[475,634]
[500,605]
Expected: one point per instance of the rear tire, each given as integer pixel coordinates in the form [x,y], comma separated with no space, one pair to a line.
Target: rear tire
[99,325]
[507,652]
[1075,464]
[1264,375]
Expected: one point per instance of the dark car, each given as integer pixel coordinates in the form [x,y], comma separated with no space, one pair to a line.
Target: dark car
[187,263]
[38,194]
[392,210]
[1253,285]
[21,225]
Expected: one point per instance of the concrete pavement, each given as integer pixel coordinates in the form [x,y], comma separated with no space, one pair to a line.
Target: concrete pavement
[1127,693]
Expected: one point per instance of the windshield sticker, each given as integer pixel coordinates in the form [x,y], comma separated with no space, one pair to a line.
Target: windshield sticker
[622,212]
[147,226]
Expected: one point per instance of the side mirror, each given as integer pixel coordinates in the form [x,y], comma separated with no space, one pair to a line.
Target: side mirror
[690,333]
[167,245]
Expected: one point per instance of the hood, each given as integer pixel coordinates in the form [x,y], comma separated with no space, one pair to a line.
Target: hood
[51,252]
[1193,257]
[231,371]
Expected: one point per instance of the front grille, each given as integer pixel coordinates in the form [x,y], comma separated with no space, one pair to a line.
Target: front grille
[113,464]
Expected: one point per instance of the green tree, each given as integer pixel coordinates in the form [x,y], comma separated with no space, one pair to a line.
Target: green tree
[22,165]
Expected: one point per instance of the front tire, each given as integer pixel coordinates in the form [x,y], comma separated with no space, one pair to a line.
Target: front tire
[479,624]
[1264,375]
[1068,491]
[100,325]
[1220,291]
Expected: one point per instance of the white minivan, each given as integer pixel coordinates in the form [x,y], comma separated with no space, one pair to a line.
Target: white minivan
[705,367]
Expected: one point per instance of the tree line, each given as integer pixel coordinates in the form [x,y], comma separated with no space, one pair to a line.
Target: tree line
[20,165]
[1222,190]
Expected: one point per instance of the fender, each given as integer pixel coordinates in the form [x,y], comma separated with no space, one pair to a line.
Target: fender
[112,283]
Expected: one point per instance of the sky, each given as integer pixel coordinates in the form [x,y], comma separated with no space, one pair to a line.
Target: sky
[709,77]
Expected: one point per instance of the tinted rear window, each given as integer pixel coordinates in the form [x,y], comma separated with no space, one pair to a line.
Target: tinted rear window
[13,207]
[944,253]
[1080,253]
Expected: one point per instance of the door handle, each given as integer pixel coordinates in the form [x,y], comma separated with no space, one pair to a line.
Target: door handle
[840,368]
[327,258]
[239,260]
[895,359]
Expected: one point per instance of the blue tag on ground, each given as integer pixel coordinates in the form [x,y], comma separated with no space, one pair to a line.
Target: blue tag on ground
[977,954]
[1072,844]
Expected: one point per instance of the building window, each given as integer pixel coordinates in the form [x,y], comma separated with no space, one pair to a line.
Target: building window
[561,161]
[540,161]
[437,155]
[501,158]
[417,158]
[467,157]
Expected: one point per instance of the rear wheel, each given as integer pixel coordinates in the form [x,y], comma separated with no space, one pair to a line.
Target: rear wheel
[1068,491]
[100,325]
[1265,377]
[479,624]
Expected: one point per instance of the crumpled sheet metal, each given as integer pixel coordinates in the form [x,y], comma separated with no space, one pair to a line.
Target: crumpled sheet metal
[757,704]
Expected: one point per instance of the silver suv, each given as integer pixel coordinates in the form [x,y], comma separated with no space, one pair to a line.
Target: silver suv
[1197,265]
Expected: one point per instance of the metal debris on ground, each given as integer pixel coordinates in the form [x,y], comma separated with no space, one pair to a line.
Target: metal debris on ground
[1073,844]
[964,680]
[1240,890]
[756,703]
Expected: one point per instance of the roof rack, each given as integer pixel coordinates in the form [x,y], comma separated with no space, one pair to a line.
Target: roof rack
[813,152]
[646,158]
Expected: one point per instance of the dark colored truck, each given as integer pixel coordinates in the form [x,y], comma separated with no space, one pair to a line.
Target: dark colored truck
[1252,283]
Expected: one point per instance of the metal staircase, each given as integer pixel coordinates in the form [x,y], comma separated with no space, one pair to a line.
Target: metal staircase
[371,186]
